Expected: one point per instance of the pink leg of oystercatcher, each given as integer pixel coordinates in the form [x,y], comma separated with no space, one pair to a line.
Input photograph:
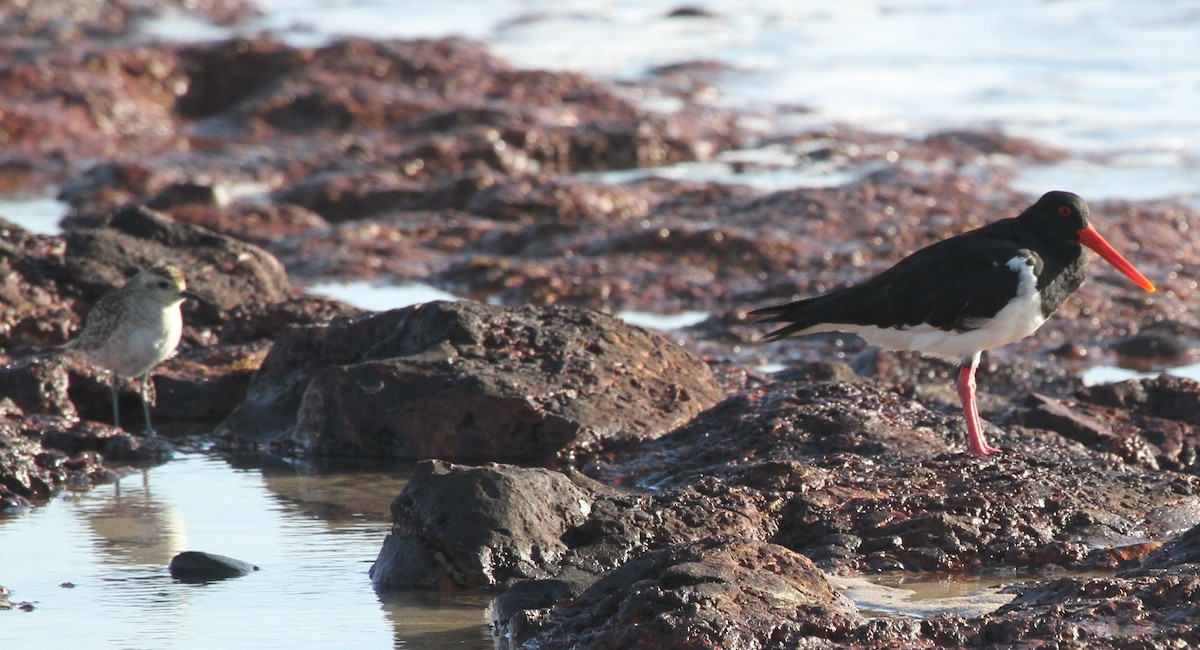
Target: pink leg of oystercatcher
[966,393]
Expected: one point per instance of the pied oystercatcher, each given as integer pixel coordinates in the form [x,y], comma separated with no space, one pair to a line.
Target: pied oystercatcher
[960,296]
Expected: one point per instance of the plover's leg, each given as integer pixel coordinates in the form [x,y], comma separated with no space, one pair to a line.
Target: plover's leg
[116,406]
[146,404]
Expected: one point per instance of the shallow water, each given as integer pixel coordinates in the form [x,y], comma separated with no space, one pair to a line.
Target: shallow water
[94,565]
[379,296]
[38,213]
[1113,374]
[919,597]
[664,322]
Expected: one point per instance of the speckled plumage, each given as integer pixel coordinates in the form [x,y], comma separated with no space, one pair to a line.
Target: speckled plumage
[134,328]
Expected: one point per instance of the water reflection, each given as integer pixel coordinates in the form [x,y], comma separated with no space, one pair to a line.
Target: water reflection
[134,528]
[314,533]
[438,620]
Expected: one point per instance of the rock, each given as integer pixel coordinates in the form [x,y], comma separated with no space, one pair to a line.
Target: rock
[714,593]
[205,387]
[1146,350]
[234,277]
[867,483]
[1048,413]
[1154,421]
[38,384]
[1147,609]
[40,455]
[434,161]
[471,527]
[1143,609]
[467,382]
[50,283]
[61,25]
[814,420]
[529,595]
[1184,549]
[238,281]
[34,306]
[1165,396]
[349,197]
[198,566]
[457,526]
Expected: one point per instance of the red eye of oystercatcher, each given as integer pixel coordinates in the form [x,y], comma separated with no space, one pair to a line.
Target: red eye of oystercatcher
[963,295]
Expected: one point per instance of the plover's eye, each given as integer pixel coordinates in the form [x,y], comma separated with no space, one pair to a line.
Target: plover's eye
[162,284]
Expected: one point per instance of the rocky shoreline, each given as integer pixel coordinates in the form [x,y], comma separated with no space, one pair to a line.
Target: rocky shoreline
[616,487]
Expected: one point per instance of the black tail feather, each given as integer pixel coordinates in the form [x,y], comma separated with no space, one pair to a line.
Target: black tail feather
[792,313]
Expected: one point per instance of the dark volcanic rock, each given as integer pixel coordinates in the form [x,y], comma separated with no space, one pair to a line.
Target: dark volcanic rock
[1134,610]
[33,311]
[480,526]
[491,525]
[715,593]
[199,566]
[1153,423]
[468,382]
[1144,609]
[37,384]
[51,282]
[238,281]
[955,513]
[40,455]
[231,275]
[868,484]
[808,420]
[1184,549]
[206,386]
[433,160]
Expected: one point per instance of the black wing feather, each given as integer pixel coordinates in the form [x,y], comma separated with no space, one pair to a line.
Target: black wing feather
[954,284]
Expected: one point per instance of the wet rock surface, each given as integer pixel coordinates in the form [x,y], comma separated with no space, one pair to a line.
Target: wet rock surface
[685,497]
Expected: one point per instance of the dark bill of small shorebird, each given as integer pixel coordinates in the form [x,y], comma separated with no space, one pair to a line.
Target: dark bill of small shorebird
[960,296]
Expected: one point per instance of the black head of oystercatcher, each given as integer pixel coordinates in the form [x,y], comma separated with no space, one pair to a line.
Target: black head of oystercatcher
[958,297]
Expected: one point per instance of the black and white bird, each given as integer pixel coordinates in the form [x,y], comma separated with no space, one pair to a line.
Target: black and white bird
[958,297]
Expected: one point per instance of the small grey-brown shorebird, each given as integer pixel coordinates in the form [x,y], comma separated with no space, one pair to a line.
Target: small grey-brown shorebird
[134,328]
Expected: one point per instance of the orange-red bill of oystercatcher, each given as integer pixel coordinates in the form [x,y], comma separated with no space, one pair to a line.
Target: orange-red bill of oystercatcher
[960,296]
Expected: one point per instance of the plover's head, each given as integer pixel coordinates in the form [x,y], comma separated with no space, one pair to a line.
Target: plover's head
[164,283]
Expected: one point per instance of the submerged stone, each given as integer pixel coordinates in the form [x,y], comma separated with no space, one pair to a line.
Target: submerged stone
[199,566]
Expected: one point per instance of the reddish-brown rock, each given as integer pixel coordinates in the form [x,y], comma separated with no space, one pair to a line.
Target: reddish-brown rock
[467,382]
